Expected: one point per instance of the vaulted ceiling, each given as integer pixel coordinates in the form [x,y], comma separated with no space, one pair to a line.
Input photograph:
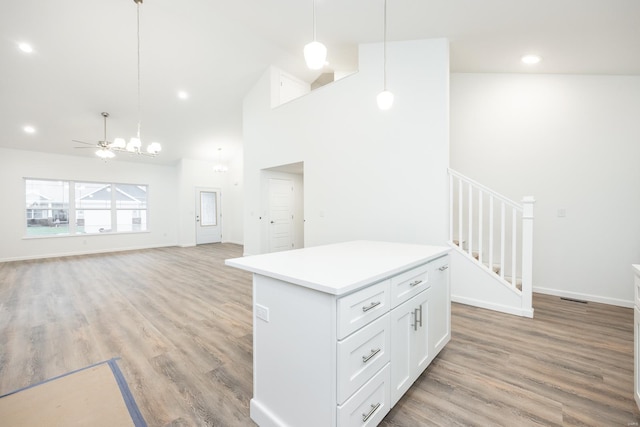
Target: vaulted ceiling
[84,58]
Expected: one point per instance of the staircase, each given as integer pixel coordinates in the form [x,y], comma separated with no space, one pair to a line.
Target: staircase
[492,241]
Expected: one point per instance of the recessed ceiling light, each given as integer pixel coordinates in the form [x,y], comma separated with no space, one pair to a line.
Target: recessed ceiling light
[29,129]
[530,59]
[25,47]
[182,94]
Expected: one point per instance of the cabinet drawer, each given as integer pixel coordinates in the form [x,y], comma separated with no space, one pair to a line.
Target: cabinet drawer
[361,307]
[361,355]
[369,405]
[408,284]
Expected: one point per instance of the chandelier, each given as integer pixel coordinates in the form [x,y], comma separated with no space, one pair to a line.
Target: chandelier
[220,167]
[106,149]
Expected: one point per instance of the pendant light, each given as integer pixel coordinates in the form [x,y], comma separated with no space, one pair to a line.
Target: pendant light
[385,98]
[315,53]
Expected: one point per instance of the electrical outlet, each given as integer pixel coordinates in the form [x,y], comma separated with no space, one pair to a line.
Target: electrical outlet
[262,312]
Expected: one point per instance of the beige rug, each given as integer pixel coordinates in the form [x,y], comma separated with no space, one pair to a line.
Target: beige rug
[94,396]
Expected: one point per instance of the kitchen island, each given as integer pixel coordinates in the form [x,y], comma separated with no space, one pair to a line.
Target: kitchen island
[340,332]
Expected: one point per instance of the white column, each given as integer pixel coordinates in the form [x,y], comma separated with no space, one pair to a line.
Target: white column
[450,207]
[470,220]
[527,252]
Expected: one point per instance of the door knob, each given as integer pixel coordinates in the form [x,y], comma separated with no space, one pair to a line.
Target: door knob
[272,222]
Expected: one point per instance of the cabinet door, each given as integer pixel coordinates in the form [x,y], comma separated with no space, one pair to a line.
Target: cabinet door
[420,351]
[440,310]
[409,343]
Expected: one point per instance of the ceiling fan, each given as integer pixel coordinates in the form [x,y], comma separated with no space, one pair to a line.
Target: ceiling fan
[105,148]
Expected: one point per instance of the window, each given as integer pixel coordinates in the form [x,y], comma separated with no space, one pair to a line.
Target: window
[208,216]
[47,204]
[93,208]
[131,207]
[97,208]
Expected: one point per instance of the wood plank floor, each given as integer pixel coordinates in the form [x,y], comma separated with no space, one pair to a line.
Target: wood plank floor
[181,322]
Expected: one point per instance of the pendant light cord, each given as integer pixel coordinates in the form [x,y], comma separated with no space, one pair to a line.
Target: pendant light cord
[314,20]
[384,47]
[138,35]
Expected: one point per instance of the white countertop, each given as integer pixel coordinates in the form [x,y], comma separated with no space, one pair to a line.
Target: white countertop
[636,267]
[339,268]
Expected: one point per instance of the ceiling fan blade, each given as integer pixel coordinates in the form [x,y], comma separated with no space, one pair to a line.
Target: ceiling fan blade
[82,142]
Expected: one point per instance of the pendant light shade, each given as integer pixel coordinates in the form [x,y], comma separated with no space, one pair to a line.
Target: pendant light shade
[385,98]
[315,53]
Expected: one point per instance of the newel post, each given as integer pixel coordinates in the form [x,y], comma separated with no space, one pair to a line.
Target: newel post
[527,253]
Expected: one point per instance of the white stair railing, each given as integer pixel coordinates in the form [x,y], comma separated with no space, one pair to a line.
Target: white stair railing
[501,243]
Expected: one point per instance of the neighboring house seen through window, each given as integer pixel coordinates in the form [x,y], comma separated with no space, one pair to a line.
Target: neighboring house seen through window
[97,208]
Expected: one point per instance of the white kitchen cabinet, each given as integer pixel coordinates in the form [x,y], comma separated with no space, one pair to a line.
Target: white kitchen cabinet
[410,350]
[327,321]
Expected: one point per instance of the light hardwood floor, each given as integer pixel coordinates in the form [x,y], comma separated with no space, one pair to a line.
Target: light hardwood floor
[181,322]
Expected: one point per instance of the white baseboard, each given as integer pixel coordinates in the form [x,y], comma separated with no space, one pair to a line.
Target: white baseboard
[584,297]
[234,242]
[78,253]
[491,306]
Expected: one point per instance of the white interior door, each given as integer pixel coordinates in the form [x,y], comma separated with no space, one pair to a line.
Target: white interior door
[208,217]
[280,214]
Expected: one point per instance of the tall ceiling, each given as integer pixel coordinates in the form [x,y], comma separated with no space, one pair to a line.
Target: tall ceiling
[85,54]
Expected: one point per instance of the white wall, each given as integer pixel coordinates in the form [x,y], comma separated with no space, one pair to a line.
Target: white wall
[196,173]
[573,142]
[15,165]
[368,174]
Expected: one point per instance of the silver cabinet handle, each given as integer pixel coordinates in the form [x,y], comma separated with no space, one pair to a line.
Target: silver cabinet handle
[370,306]
[416,283]
[365,359]
[443,268]
[374,408]
[417,322]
